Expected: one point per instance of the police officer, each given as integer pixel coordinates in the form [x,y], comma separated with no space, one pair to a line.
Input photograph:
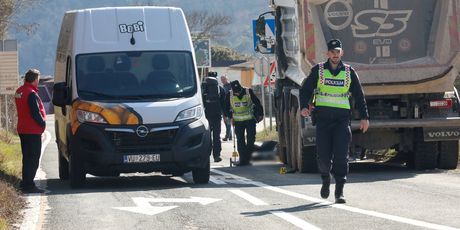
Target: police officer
[31,125]
[329,87]
[245,110]
[213,100]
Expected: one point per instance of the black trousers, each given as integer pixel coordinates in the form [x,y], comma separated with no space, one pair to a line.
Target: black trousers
[333,137]
[245,145]
[215,125]
[31,145]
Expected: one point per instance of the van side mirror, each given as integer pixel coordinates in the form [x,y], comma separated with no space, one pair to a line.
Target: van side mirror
[60,94]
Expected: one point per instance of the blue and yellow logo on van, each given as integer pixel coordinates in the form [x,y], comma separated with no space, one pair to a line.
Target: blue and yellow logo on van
[102,113]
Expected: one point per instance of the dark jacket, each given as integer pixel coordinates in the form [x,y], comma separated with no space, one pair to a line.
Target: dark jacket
[310,83]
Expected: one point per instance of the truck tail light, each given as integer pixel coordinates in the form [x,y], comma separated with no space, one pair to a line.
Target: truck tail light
[441,104]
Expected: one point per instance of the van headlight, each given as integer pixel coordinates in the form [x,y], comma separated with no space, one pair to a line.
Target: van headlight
[195,112]
[85,116]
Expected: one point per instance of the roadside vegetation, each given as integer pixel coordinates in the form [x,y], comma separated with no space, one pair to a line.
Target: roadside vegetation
[11,201]
[267,135]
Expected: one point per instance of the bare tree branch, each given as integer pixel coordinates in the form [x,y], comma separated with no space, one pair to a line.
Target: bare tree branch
[11,8]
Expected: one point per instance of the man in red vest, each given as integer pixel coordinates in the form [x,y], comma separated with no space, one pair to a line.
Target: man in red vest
[31,125]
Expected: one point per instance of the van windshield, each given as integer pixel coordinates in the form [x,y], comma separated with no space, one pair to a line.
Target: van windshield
[135,75]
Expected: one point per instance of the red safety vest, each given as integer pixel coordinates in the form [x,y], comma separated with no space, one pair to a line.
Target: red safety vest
[26,123]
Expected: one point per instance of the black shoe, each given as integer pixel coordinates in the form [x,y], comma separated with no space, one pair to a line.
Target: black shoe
[325,187]
[325,190]
[33,190]
[217,159]
[225,139]
[229,138]
[339,198]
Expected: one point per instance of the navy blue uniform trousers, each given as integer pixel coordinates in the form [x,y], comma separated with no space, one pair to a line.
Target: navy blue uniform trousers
[215,124]
[245,145]
[333,137]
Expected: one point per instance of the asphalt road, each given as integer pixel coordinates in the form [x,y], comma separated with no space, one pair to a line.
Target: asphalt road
[254,197]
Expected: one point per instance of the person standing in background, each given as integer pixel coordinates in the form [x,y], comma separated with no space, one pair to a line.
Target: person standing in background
[31,125]
[228,123]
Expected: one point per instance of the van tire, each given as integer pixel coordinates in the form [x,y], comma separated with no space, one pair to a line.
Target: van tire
[63,167]
[448,154]
[201,175]
[77,176]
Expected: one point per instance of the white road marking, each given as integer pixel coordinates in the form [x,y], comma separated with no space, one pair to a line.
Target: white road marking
[216,180]
[338,206]
[252,199]
[295,220]
[35,202]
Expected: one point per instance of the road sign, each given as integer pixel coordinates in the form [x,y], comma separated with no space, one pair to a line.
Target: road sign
[202,48]
[264,43]
[272,74]
[143,205]
[9,70]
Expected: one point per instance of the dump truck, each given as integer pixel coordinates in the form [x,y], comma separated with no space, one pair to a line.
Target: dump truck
[406,54]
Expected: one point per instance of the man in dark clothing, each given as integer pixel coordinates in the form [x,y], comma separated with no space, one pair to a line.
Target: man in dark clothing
[228,123]
[329,87]
[245,110]
[213,100]
[31,125]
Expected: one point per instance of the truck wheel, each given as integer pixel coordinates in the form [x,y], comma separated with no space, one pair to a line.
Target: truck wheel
[425,153]
[292,155]
[306,156]
[448,154]
[77,174]
[201,175]
[63,167]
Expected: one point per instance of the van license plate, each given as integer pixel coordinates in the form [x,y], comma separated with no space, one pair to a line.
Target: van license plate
[141,158]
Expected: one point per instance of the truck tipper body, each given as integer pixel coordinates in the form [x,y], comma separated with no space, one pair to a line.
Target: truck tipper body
[406,54]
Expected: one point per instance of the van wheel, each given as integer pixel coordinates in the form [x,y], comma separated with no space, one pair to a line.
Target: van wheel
[77,175]
[448,154]
[201,175]
[63,167]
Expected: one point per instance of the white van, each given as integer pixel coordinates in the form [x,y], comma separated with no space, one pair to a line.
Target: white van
[127,96]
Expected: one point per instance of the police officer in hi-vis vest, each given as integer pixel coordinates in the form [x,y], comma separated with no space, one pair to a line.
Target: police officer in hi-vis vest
[329,88]
[245,110]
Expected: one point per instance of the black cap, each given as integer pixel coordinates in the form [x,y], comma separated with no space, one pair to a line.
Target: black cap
[236,86]
[334,44]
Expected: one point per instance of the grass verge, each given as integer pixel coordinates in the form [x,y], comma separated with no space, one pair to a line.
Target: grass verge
[267,135]
[11,201]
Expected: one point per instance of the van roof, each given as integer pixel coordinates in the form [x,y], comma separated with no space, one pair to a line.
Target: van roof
[111,29]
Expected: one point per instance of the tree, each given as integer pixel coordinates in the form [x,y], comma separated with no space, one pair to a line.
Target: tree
[222,53]
[204,24]
[8,10]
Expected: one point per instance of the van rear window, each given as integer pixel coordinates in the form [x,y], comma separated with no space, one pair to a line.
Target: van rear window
[135,75]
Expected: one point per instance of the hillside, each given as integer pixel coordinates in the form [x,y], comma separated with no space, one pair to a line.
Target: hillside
[38,50]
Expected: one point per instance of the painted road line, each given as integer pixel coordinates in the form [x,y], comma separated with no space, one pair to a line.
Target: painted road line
[295,220]
[338,206]
[216,180]
[35,202]
[252,199]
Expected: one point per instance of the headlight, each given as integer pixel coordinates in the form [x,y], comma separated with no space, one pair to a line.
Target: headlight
[85,116]
[195,112]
